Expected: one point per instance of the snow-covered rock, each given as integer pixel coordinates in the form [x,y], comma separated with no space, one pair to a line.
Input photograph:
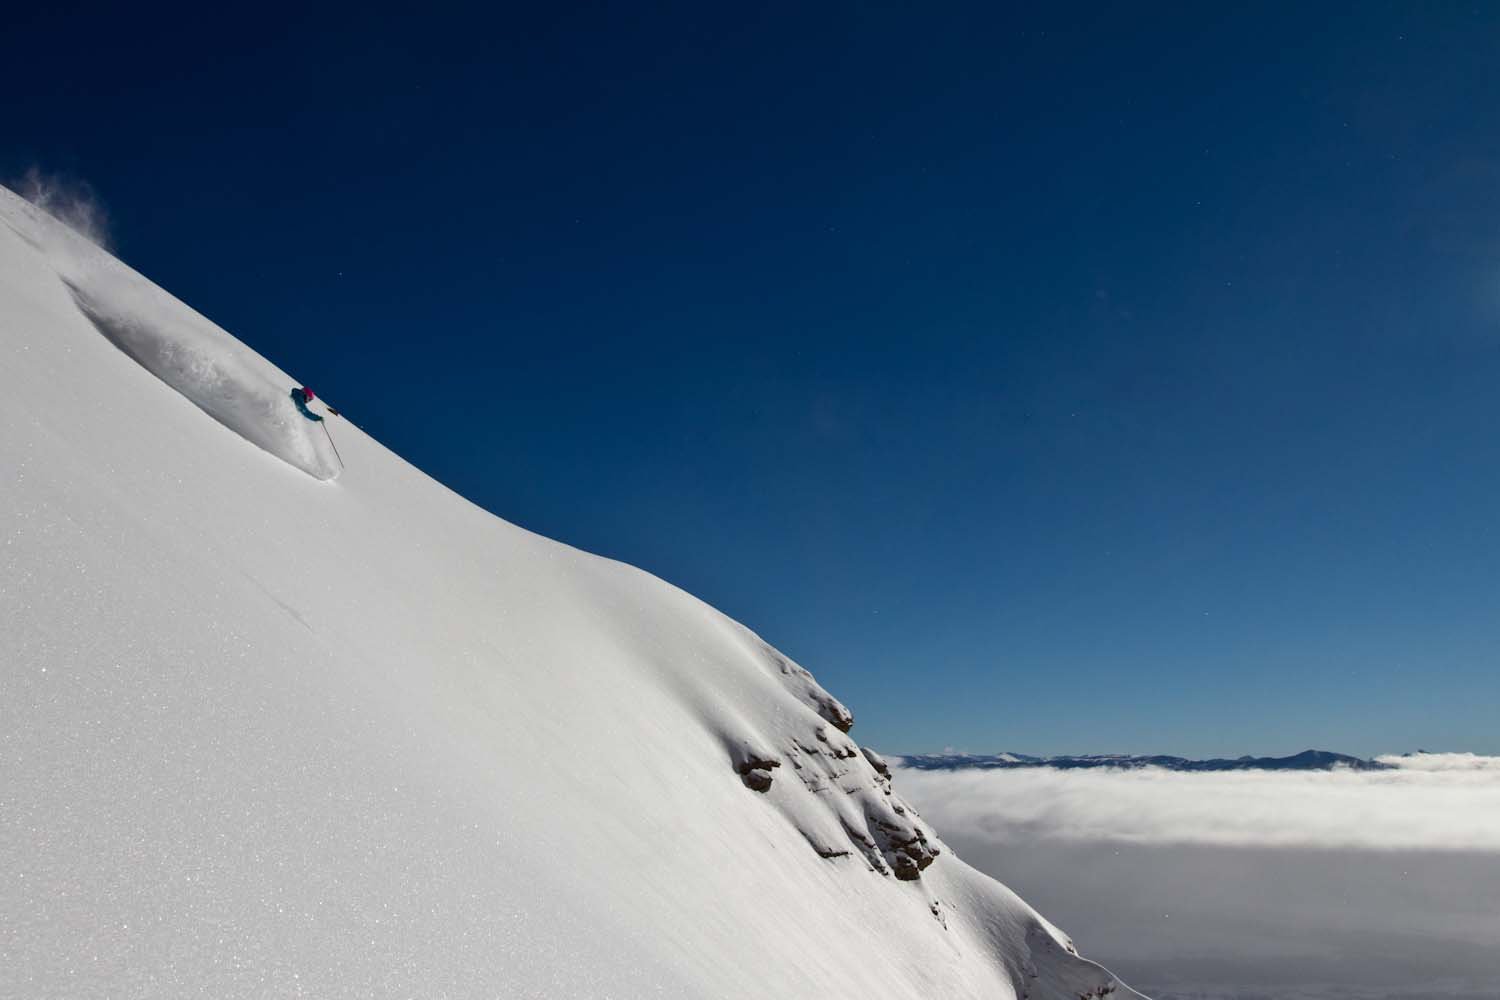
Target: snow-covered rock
[264,732]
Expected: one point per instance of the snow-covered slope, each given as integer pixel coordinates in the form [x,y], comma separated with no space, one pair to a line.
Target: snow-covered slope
[267,732]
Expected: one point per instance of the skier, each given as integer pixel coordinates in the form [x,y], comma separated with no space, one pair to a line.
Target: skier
[302,397]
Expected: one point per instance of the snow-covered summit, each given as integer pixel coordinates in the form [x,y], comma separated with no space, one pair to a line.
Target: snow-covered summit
[270,726]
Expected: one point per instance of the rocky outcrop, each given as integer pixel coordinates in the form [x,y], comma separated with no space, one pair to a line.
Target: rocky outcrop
[845,806]
[754,766]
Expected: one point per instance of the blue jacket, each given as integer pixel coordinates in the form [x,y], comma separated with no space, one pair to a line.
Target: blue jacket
[300,399]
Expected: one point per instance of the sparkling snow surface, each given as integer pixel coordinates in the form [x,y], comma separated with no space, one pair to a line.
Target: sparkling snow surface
[268,733]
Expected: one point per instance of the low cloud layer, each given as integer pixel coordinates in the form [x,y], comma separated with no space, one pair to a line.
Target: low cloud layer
[1430,802]
[1250,885]
[1443,762]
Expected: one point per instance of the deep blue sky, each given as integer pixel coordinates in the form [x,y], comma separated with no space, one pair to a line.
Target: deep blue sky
[1063,380]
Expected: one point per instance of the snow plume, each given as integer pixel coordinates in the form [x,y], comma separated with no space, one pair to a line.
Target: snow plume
[72,202]
[1440,802]
[223,377]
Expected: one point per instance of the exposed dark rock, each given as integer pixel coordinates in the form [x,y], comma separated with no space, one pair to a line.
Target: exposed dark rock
[832,710]
[754,766]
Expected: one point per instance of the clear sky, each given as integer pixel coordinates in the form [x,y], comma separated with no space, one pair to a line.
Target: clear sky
[1055,381]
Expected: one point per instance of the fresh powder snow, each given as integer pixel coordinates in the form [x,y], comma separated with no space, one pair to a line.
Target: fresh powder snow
[279,724]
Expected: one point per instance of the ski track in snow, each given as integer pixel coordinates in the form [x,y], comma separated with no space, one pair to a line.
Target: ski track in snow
[263,734]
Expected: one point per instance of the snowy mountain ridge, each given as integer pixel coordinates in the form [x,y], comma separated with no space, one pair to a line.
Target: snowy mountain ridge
[1307,760]
[276,723]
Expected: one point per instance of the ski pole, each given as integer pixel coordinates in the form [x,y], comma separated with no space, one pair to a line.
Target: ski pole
[335,447]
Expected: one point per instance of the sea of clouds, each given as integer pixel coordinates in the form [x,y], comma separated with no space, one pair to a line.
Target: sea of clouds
[1250,885]
[1427,802]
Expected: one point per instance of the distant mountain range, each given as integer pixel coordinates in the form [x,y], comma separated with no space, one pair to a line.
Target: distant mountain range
[1307,760]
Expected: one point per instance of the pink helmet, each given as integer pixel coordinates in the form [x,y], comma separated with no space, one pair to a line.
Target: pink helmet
[307,393]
